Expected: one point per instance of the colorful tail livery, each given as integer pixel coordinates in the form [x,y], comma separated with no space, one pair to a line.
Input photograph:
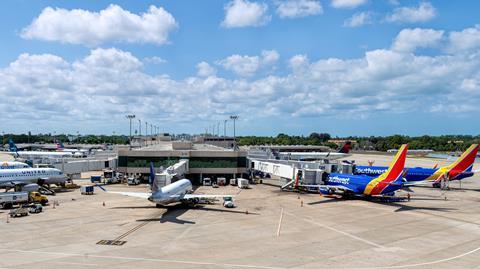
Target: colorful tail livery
[393,175]
[346,147]
[461,168]
[60,146]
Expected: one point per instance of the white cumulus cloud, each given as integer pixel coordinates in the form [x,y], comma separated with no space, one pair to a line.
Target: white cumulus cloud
[347,3]
[298,8]
[358,19]
[96,90]
[245,66]
[242,13]
[204,69]
[465,40]
[113,24]
[424,12]
[410,39]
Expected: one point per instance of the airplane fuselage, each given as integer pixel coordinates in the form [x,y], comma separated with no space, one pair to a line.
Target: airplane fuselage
[416,173]
[362,184]
[13,165]
[171,193]
[31,175]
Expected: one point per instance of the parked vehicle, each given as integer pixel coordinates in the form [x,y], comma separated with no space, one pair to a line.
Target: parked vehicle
[86,190]
[242,183]
[221,181]
[94,179]
[35,209]
[233,181]
[228,202]
[8,199]
[214,185]
[207,181]
[36,197]
[133,181]
[19,212]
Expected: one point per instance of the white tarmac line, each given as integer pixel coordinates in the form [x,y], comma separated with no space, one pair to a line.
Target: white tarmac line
[337,230]
[86,255]
[76,263]
[280,223]
[425,263]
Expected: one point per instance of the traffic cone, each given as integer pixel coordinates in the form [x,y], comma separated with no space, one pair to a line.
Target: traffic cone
[104,203]
[301,203]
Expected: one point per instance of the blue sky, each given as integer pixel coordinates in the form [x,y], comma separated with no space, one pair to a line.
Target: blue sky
[347,67]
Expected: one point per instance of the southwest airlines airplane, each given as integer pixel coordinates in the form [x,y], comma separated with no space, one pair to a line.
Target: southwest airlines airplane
[35,154]
[384,184]
[460,169]
[179,191]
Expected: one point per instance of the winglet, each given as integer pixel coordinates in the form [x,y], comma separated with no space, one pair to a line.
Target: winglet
[393,173]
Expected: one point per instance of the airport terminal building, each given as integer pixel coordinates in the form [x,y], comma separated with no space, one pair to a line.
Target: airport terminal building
[203,160]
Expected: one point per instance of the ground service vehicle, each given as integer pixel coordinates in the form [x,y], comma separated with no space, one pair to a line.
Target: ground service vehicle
[8,199]
[19,212]
[36,197]
[35,209]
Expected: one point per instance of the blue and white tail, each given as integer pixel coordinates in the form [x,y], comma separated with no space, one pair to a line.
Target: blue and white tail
[152,179]
[12,146]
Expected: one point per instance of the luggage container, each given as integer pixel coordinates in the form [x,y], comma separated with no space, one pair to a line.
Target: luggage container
[86,190]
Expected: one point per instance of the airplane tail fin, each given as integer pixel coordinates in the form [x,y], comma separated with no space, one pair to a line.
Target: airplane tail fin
[12,146]
[392,176]
[153,180]
[465,161]
[60,145]
[346,147]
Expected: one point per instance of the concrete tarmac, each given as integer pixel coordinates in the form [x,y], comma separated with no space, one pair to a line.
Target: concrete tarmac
[436,229]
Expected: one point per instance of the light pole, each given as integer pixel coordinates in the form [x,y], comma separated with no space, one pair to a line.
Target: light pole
[225,133]
[139,127]
[234,118]
[130,117]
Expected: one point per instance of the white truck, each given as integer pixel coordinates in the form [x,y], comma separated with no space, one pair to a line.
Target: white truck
[8,199]
[207,181]
[242,183]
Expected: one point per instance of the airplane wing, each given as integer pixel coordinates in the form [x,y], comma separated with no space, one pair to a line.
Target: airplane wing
[206,196]
[143,195]
[416,183]
[328,187]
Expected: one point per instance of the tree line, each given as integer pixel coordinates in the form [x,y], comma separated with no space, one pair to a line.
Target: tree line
[65,138]
[379,143]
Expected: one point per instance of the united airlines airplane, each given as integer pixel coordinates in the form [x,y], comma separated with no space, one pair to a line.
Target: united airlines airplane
[10,178]
[177,192]
[460,169]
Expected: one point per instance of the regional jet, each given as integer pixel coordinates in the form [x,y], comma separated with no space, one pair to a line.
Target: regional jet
[460,169]
[35,154]
[177,192]
[13,165]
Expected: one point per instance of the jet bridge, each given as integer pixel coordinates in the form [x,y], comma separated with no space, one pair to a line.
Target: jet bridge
[308,173]
[172,173]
